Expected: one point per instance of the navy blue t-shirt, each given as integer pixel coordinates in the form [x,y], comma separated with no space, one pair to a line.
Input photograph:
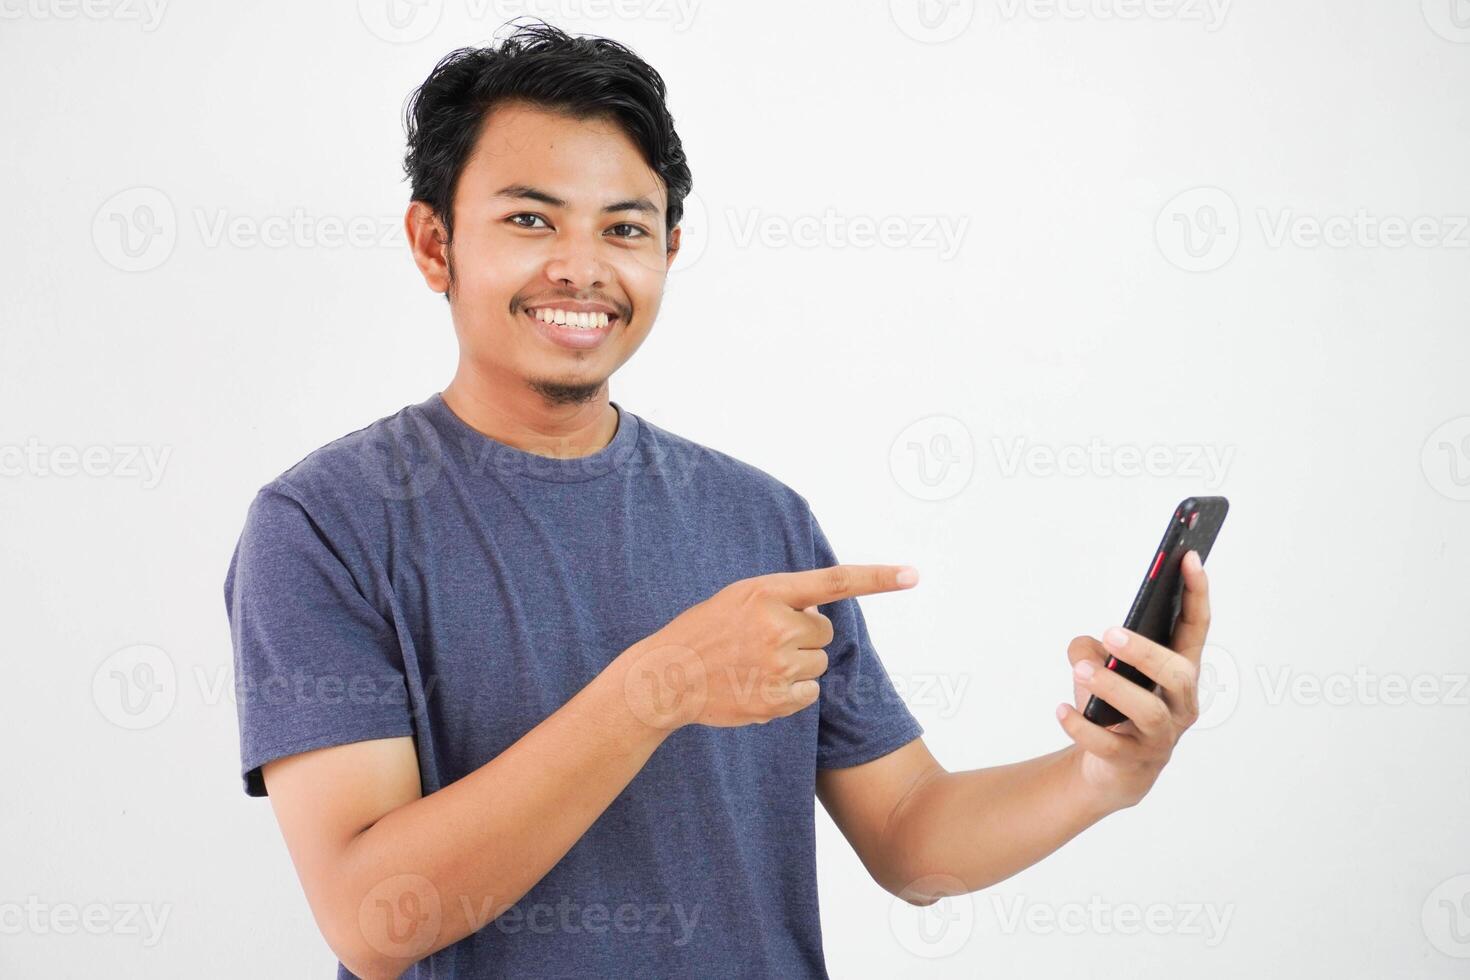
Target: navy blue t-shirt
[419,578]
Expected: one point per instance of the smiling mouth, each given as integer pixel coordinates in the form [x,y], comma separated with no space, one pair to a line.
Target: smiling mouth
[579,331]
[573,320]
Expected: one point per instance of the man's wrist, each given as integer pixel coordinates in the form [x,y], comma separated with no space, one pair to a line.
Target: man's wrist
[1094,802]
[656,687]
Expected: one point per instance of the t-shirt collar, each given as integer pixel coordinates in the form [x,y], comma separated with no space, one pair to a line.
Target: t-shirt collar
[480,454]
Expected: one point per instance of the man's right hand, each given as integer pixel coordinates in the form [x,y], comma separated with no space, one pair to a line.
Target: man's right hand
[751,652]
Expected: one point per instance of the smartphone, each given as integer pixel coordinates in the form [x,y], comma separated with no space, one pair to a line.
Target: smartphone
[1193,527]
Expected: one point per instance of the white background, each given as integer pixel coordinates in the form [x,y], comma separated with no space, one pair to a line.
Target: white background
[1319,809]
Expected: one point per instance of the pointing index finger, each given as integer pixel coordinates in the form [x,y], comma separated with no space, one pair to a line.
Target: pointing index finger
[819,586]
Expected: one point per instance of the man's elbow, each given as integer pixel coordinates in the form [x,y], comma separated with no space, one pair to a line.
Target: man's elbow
[366,963]
[906,870]
[365,947]
[922,889]
[908,874]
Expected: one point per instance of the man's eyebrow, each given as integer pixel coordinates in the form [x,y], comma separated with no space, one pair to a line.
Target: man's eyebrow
[641,204]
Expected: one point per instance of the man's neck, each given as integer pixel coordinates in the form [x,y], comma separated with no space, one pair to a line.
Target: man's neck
[519,417]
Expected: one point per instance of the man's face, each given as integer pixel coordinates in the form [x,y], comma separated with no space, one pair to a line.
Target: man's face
[554,214]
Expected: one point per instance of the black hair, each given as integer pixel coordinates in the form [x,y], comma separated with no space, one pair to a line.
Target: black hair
[583,77]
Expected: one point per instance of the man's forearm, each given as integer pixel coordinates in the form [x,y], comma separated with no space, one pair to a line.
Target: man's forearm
[483,841]
[984,825]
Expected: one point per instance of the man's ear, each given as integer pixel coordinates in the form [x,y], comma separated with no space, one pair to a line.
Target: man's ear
[428,241]
[674,237]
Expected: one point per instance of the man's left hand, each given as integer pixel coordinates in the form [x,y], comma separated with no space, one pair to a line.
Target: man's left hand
[1117,766]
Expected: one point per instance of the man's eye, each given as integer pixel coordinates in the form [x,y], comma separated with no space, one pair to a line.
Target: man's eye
[636,232]
[515,218]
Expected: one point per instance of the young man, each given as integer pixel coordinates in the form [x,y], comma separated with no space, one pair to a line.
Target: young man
[538,688]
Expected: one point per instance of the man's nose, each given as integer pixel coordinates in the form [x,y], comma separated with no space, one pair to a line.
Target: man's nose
[576,263]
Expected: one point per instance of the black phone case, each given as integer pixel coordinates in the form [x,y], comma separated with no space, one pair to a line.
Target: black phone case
[1193,527]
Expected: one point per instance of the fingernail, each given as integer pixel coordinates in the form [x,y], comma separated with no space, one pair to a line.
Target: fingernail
[1061,711]
[908,575]
[1083,668]
[1115,637]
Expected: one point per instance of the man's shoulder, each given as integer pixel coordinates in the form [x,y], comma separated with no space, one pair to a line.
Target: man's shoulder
[386,459]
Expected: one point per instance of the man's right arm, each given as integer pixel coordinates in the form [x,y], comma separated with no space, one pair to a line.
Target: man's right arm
[367,845]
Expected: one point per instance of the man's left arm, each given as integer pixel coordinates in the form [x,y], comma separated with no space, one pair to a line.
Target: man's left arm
[924,832]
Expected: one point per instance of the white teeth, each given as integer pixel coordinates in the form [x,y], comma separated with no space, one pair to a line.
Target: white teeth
[579,321]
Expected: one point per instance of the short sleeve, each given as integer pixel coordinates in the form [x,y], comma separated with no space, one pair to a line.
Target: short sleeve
[862,716]
[316,664]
